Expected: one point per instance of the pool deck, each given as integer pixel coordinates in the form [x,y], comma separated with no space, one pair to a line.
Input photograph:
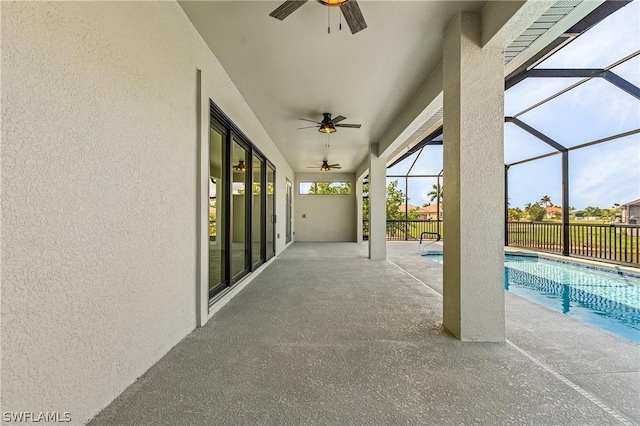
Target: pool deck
[324,336]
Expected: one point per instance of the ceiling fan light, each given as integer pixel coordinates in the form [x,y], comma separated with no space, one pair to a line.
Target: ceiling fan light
[327,128]
[333,3]
[240,167]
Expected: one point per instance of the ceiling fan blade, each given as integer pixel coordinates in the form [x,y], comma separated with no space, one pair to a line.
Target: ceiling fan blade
[353,16]
[312,121]
[353,126]
[338,119]
[306,127]
[287,8]
[336,166]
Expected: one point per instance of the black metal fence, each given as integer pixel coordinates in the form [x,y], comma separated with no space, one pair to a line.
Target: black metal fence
[405,230]
[611,242]
[536,235]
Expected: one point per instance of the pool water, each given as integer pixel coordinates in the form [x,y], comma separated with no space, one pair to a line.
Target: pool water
[606,299]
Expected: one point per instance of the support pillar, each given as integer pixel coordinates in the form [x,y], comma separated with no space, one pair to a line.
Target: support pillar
[377,205]
[565,203]
[473,83]
[506,206]
[358,192]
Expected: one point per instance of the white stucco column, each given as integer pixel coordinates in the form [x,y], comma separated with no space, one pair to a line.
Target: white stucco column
[473,83]
[377,205]
[358,194]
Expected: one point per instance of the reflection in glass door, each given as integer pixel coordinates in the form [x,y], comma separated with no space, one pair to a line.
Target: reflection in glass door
[288,207]
[271,222]
[256,214]
[217,192]
[239,223]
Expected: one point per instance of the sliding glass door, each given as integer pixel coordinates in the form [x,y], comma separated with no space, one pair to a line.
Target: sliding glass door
[241,205]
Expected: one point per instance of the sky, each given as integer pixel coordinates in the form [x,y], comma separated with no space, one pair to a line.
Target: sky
[601,175]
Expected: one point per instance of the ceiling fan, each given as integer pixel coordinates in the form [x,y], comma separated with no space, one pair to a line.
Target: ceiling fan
[325,166]
[328,124]
[350,10]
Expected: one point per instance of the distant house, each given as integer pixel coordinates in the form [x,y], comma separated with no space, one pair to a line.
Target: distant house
[582,215]
[404,207]
[430,212]
[425,213]
[630,212]
[553,212]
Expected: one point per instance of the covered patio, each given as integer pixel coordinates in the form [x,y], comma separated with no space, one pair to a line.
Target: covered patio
[326,336]
[160,258]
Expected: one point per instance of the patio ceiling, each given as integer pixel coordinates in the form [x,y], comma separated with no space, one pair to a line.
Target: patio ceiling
[294,69]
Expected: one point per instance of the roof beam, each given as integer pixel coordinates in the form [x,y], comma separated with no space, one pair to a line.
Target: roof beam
[544,138]
[424,104]
[568,72]
[622,84]
[428,140]
[553,72]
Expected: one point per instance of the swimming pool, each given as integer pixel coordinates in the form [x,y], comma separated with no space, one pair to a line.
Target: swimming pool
[605,298]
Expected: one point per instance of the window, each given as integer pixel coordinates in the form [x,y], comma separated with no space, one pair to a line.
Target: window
[325,188]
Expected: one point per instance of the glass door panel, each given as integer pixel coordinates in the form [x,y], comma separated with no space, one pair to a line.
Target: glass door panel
[271,174]
[239,224]
[288,207]
[256,214]
[217,185]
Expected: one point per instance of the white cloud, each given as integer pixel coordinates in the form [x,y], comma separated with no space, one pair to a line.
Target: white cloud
[606,174]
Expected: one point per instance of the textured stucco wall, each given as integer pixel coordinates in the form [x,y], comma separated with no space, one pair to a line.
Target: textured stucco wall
[329,217]
[99,171]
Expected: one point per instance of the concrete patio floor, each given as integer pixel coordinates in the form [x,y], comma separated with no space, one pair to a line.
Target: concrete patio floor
[324,336]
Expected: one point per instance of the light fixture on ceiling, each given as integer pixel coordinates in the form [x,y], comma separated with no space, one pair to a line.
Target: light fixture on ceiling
[333,3]
[327,128]
[240,166]
[325,166]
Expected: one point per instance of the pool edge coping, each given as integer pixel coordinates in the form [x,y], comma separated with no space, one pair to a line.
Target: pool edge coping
[592,264]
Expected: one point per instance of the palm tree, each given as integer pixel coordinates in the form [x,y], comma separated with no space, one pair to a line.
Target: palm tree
[546,200]
[435,193]
[527,207]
